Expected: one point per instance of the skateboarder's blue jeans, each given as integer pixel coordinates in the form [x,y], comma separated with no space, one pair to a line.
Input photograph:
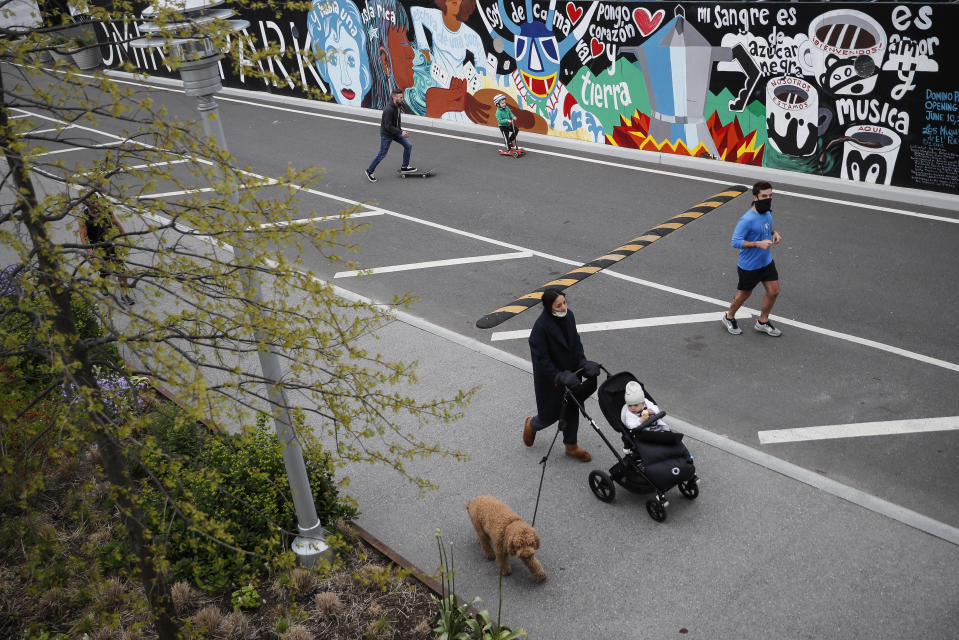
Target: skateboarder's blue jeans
[385,146]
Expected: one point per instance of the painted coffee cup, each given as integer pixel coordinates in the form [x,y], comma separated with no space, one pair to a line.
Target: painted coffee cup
[843,52]
[794,119]
[869,153]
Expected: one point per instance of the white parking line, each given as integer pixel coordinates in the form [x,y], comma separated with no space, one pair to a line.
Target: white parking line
[170,194]
[859,430]
[162,163]
[53,130]
[434,263]
[149,165]
[288,223]
[102,145]
[267,182]
[614,325]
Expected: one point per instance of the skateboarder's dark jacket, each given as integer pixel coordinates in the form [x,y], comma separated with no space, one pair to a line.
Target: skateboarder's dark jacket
[390,126]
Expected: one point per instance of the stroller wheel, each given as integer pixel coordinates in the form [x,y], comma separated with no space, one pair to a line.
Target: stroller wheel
[656,510]
[601,486]
[689,488]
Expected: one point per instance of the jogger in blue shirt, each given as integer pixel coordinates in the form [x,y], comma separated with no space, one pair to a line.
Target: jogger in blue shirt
[753,236]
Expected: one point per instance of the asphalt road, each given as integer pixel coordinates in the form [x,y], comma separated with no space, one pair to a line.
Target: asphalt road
[868,317]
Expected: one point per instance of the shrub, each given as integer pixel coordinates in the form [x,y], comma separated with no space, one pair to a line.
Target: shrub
[246,598]
[30,443]
[233,487]
[34,433]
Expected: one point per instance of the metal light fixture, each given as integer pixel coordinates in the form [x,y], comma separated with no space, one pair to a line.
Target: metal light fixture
[185,40]
[198,58]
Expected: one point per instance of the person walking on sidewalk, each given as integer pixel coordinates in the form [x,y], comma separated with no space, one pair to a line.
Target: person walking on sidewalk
[391,130]
[558,362]
[99,229]
[753,236]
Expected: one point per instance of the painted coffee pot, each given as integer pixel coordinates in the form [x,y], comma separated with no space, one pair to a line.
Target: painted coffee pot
[677,63]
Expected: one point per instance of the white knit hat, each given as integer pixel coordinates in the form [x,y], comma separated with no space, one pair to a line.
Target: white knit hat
[634,393]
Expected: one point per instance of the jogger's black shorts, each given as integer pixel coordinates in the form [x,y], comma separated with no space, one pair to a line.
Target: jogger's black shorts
[748,279]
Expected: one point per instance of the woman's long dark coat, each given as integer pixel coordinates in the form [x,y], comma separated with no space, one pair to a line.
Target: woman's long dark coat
[551,354]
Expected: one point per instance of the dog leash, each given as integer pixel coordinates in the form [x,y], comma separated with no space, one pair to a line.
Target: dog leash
[545,458]
[543,475]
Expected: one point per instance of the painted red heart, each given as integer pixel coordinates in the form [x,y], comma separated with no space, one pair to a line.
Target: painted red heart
[573,11]
[646,21]
[596,47]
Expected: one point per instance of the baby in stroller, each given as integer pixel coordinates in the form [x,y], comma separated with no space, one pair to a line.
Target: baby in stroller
[654,457]
[638,409]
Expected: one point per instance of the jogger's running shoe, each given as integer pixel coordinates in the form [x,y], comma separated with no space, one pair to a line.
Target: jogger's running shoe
[731,325]
[407,169]
[369,175]
[767,328]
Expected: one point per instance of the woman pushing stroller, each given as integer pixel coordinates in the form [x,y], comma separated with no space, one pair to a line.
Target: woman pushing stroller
[559,362]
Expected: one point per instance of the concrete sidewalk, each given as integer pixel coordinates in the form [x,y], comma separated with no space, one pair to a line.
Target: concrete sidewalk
[757,555]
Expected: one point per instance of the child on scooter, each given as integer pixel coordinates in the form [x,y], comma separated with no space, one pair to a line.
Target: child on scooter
[506,121]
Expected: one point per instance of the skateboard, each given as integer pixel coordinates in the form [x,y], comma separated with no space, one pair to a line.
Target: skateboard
[419,173]
[516,153]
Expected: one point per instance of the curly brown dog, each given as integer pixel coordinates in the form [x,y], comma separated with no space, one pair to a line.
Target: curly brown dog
[501,531]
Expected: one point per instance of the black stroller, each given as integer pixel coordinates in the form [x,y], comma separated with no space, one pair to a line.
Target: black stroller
[656,462]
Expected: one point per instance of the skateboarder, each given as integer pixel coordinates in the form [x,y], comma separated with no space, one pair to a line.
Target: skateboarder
[506,121]
[391,130]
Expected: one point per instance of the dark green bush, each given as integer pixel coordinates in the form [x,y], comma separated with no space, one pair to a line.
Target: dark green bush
[238,487]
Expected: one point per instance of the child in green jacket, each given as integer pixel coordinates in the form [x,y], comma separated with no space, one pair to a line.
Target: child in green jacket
[506,121]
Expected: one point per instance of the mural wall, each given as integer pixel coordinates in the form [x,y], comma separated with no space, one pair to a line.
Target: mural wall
[852,91]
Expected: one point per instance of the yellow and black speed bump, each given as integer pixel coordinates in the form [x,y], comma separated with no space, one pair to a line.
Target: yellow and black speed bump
[580,273]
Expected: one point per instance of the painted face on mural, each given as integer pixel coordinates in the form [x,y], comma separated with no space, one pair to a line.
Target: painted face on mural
[343,68]
[401,57]
[339,45]
[537,57]
[452,7]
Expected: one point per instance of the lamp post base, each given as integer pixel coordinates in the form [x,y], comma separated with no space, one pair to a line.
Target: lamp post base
[309,550]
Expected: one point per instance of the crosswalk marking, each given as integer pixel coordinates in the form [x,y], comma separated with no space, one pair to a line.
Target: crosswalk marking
[435,263]
[613,325]
[859,430]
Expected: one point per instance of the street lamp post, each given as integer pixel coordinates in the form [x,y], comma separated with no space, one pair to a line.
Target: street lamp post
[200,73]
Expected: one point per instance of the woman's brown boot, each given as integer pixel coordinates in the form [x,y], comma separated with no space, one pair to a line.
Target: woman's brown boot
[529,434]
[573,451]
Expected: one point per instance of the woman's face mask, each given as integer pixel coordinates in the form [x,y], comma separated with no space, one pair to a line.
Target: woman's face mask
[559,307]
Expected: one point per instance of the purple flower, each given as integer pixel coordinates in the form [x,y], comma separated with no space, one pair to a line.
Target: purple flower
[117,392]
[10,280]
